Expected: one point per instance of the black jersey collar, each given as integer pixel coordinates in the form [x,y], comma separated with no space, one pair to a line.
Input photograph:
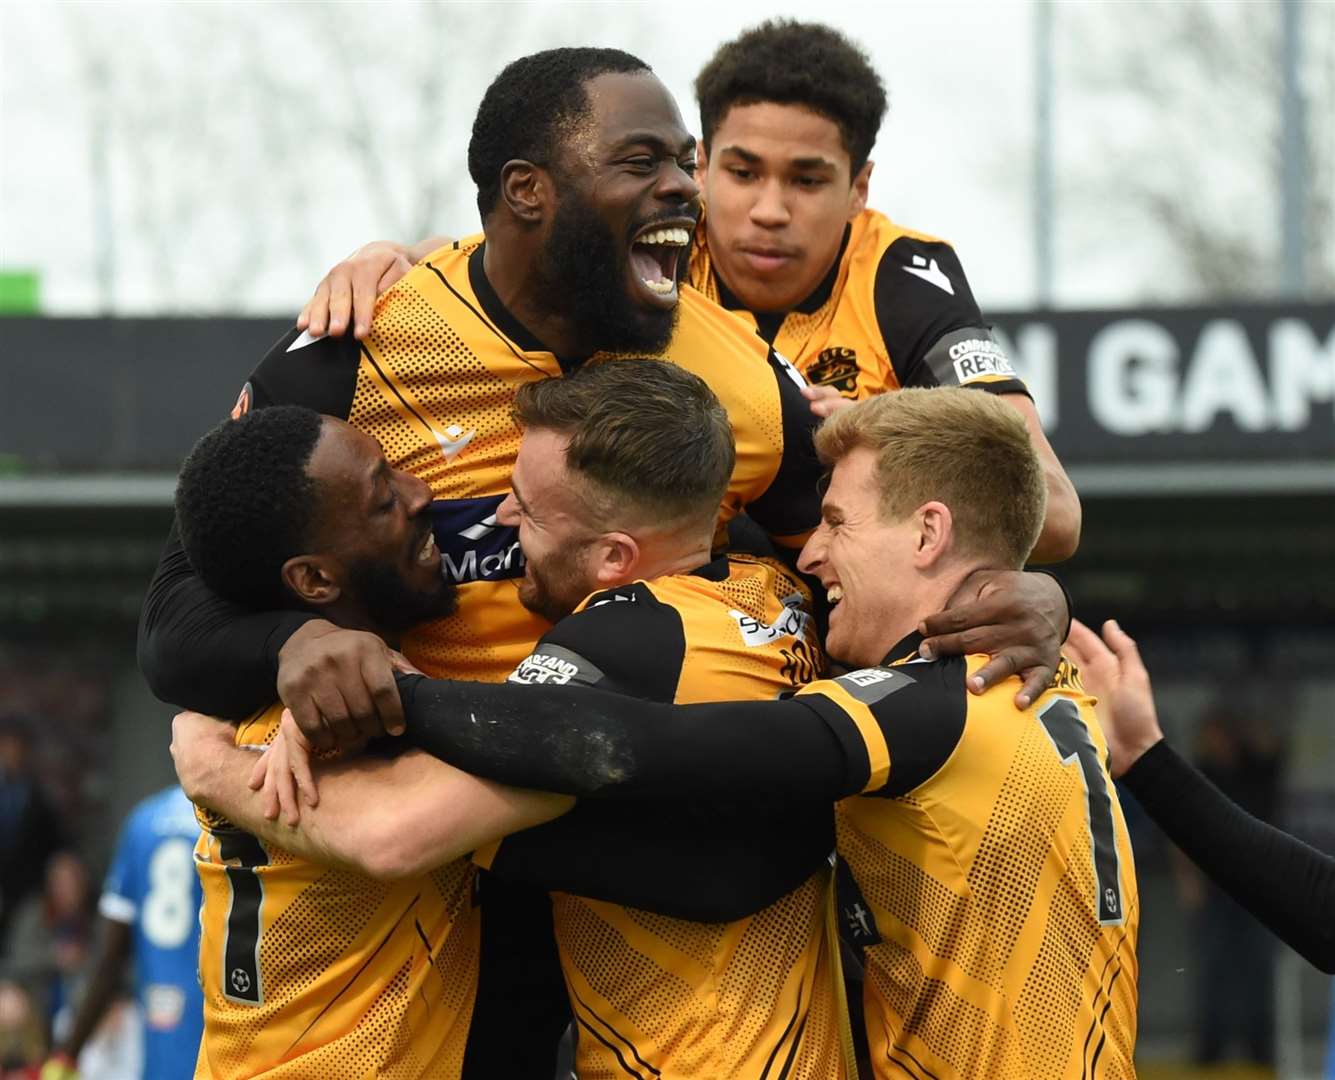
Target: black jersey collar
[904,649]
[716,569]
[814,301]
[501,315]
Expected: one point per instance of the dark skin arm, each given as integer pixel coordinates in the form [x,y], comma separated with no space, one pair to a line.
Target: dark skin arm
[108,968]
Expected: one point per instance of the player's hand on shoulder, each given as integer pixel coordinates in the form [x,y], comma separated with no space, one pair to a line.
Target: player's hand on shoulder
[825,400]
[1017,619]
[1111,670]
[339,685]
[350,289]
[196,742]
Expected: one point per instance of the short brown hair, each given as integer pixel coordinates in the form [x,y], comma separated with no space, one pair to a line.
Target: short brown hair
[964,448]
[648,435]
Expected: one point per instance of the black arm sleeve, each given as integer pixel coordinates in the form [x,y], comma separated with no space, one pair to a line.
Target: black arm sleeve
[711,860]
[930,322]
[1287,885]
[202,652]
[588,742]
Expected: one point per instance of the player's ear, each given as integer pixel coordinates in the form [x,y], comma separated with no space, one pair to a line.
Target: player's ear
[861,186]
[527,190]
[618,559]
[308,578]
[935,528]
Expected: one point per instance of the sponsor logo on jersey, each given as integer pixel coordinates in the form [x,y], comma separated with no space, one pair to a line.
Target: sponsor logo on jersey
[552,665]
[473,547]
[792,623]
[453,440]
[837,367]
[980,360]
[786,366]
[870,685]
[243,402]
[931,273]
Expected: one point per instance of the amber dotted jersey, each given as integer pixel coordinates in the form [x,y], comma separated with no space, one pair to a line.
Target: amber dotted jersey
[992,883]
[434,383]
[694,939]
[309,971]
[894,311]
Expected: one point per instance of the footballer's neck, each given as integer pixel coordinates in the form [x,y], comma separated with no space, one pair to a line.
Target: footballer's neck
[931,590]
[508,261]
[668,553]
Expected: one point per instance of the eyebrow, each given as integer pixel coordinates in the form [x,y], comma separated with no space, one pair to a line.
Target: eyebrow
[656,142]
[752,158]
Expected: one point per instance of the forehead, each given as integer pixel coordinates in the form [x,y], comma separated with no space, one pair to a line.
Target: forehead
[625,105]
[853,482]
[343,455]
[540,467]
[780,132]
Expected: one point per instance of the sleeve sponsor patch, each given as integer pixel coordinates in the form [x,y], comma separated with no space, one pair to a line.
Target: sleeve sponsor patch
[978,360]
[552,665]
[870,685]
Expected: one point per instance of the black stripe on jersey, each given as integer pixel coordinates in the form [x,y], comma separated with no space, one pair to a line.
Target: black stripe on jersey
[355,975]
[790,506]
[241,941]
[1099,1019]
[477,314]
[769,1063]
[792,1050]
[1103,1036]
[895,1048]
[634,1051]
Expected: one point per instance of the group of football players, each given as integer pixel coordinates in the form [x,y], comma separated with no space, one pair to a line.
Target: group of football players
[526,743]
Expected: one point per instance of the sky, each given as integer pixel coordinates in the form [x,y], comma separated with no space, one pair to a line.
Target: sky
[219,157]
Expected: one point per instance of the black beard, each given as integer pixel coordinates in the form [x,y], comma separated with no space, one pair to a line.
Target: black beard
[391,604]
[582,274]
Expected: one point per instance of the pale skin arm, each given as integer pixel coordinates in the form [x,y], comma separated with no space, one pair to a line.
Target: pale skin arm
[351,287]
[1112,671]
[387,819]
[1061,528]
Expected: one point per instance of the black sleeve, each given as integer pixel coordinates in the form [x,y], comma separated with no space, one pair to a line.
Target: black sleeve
[625,640]
[707,860]
[1287,885]
[790,506]
[915,712]
[930,323]
[195,649]
[589,742]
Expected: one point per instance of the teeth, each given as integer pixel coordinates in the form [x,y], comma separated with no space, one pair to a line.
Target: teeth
[428,549]
[834,594]
[672,237]
[663,288]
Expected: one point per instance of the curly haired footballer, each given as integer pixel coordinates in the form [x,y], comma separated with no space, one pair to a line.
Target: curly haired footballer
[796,63]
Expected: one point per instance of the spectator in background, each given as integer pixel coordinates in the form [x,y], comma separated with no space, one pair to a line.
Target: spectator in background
[30,831]
[1236,954]
[150,915]
[21,1039]
[48,939]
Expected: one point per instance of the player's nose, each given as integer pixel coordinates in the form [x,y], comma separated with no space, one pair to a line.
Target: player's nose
[770,210]
[813,552]
[508,512]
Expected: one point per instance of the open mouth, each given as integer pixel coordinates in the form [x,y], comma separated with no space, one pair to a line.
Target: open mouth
[428,552]
[655,259]
[834,593]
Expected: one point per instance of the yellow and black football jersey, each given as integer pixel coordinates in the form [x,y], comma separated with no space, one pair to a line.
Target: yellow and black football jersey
[695,938]
[309,971]
[990,878]
[434,383]
[895,310]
